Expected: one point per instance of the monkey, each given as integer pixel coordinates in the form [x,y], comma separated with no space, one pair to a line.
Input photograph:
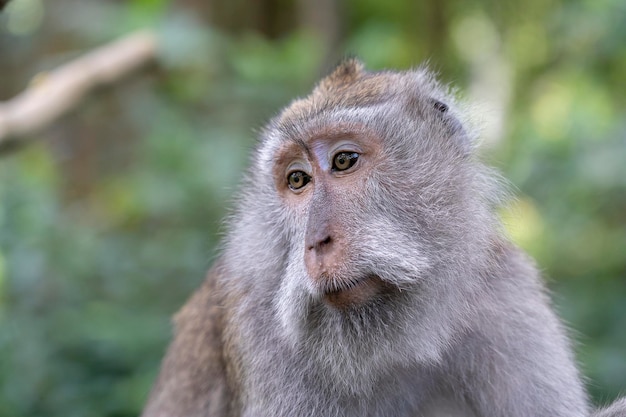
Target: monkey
[364,272]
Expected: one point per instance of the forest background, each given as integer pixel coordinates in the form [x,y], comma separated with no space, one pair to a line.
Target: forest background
[111,214]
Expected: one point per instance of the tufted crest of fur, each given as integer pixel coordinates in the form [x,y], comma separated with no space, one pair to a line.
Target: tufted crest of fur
[466,330]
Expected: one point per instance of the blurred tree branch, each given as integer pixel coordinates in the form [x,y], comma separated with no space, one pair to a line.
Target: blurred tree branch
[53,94]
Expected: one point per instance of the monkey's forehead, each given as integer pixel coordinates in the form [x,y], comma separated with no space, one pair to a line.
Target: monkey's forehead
[354,88]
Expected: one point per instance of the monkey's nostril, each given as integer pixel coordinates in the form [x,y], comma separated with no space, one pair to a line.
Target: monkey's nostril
[320,244]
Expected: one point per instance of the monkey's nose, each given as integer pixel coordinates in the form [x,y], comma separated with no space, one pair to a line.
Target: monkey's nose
[321,246]
[320,255]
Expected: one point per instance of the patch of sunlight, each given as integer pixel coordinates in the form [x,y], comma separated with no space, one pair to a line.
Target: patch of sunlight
[551,112]
[475,37]
[523,222]
[479,44]
[528,45]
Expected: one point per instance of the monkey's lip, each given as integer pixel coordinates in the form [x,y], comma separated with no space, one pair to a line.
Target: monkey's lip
[353,292]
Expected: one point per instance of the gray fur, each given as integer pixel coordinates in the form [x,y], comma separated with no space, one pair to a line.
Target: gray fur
[469,331]
[617,409]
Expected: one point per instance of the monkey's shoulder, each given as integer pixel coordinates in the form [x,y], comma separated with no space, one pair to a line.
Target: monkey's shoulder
[193,380]
[205,304]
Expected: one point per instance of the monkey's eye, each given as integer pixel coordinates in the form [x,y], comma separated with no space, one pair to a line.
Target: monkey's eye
[298,179]
[344,160]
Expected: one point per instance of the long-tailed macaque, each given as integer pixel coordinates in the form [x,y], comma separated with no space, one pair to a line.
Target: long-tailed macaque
[364,273]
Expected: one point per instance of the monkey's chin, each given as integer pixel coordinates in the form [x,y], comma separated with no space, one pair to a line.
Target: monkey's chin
[356,292]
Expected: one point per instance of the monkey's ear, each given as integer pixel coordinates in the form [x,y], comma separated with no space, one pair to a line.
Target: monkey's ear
[440,106]
[348,71]
[453,125]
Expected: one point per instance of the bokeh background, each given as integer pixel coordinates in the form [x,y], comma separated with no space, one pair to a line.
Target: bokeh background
[110,217]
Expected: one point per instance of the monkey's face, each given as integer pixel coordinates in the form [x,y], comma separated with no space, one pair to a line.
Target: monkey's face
[323,182]
[371,193]
[365,215]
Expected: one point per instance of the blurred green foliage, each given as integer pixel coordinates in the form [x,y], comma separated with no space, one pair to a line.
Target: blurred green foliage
[108,222]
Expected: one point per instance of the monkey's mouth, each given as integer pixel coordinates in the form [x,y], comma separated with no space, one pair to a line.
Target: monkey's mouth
[343,294]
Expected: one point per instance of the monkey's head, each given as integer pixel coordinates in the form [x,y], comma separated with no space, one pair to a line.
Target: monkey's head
[363,198]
